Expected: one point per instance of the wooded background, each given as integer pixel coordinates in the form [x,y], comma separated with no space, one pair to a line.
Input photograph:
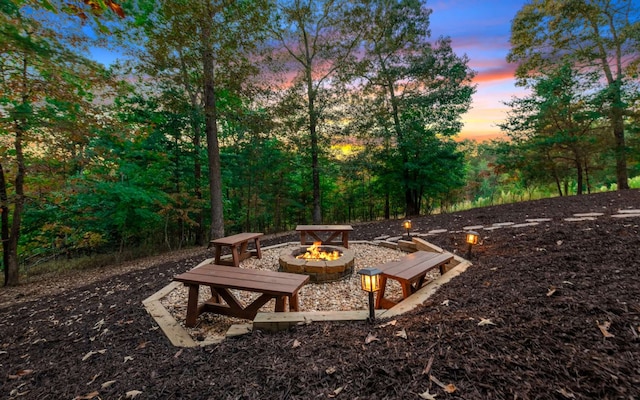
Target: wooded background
[230,116]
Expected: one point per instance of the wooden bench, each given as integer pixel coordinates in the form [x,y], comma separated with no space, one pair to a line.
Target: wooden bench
[410,271]
[221,278]
[330,232]
[239,248]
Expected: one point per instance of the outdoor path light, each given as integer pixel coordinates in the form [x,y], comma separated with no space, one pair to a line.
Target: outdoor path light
[472,239]
[407,225]
[370,282]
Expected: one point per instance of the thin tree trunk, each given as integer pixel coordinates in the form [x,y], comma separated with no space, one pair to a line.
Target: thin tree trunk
[211,130]
[197,135]
[4,224]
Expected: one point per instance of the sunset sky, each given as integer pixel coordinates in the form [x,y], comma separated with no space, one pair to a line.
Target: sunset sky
[481,29]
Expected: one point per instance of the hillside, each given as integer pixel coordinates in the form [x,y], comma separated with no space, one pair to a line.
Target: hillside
[546,311]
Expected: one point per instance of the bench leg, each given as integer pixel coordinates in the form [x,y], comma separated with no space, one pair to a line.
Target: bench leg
[258,251]
[293,302]
[380,293]
[303,238]
[280,300]
[192,306]
[218,253]
[235,255]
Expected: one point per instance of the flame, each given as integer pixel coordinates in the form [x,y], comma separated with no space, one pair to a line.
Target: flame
[314,253]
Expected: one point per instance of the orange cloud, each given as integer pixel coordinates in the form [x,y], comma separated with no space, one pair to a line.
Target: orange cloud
[500,73]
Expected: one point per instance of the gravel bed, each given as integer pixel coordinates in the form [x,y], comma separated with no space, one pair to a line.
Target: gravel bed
[343,295]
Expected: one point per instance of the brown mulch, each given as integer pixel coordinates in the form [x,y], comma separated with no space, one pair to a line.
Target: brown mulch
[546,312]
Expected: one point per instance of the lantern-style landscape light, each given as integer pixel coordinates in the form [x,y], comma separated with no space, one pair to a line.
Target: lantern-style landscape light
[472,239]
[370,283]
[407,225]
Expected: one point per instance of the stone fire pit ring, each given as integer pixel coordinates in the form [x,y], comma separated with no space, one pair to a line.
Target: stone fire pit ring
[319,271]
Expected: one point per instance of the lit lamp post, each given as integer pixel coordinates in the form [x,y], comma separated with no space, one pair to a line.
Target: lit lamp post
[472,239]
[370,282]
[407,225]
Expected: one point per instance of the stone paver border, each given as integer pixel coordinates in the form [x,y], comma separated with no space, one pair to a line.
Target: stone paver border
[179,337]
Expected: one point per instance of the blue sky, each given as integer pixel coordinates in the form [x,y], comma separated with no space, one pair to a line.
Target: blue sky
[481,29]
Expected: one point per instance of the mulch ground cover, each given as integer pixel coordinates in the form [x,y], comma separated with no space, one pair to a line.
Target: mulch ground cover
[550,311]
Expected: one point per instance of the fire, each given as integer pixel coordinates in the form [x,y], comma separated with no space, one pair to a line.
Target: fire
[314,253]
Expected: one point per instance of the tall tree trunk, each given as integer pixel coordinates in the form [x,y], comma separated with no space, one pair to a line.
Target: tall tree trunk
[315,167]
[4,224]
[12,277]
[580,182]
[410,204]
[211,130]
[622,176]
[197,144]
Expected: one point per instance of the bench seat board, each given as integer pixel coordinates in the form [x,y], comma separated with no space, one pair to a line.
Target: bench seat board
[221,279]
[324,228]
[414,265]
[410,272]
[239,245]
[272,282]
[235,240]
[330,232]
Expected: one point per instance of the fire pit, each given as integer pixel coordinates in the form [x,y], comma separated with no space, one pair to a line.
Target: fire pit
[321,263]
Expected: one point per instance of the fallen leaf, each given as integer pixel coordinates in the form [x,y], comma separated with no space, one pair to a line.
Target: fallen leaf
[128,358]
[402,333]
[107,384]
[427,396]
[559,242]
[296,343]
[436,381]
[485,321]
[426,369]
[390,323]
[604,328]
[330,370]
[445,303]
[142,345]
[132,394]
[370,338]
[450,388]
[566,394]
[567,283]
[178,353]
[89,354]
[93,379]
[336,392]
[99,324]
[551,291]
[87,396]
[21,373]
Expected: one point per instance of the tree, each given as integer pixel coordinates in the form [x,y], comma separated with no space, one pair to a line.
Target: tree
[593,35]
[318,36]
[205,47]
[421,90]
[559,122]
[46,91]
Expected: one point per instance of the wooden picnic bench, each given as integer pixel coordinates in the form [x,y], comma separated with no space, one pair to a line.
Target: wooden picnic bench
[221,278]
[411,272]
[330,232]
[239,245]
